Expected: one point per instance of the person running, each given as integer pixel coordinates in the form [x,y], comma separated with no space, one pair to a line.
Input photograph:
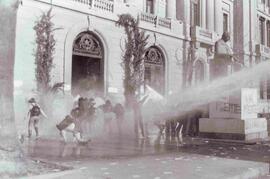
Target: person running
[34,115]
[71,124]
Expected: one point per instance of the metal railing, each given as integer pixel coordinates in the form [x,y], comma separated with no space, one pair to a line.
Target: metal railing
[151,18]
[155,20]
[86,2]
[104,5]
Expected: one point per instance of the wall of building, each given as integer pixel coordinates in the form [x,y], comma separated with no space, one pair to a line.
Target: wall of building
[174,36]
[72,18]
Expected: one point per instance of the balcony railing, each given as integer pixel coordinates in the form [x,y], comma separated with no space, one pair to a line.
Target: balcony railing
[202,35]
[151,18]
[86,2]
[103,5]
[155,20]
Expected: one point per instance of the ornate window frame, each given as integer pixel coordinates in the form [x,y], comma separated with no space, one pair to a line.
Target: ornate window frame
[86,44]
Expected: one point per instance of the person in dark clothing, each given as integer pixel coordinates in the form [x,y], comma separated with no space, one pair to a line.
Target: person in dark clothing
[71,124]
[91,109]
[119,113]
[170,129]
[83,105]
[35,114]
[89,118]
[108,116]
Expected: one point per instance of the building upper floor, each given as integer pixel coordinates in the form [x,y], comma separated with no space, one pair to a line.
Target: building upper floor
[199,20]
[261,26]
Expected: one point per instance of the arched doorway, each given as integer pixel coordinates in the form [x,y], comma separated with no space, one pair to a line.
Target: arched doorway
[154,74]
[87,64]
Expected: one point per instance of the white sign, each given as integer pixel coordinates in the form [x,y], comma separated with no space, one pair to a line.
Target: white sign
[112,90]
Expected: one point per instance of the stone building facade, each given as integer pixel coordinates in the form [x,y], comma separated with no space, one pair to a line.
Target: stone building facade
[180,47]
[252,40]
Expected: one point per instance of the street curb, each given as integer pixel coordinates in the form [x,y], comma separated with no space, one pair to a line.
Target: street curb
[52,175]
[67,170]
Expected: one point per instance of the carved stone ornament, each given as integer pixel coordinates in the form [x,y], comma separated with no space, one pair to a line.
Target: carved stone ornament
[87,45]
[153,56]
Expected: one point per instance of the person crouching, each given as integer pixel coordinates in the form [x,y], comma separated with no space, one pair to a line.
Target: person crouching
[71,124]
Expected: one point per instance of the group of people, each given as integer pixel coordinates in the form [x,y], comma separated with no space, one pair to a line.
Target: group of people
[80,119]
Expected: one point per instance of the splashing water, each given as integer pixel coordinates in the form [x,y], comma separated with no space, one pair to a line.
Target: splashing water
[208,92]
[185,100]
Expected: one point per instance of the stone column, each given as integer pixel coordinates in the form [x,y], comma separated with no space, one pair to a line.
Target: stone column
[210,14]
[155,2]
[203,13]
[218,17]
[265,32]
[171,9]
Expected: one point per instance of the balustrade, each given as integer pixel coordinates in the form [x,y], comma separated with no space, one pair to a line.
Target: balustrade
[104,5]
[153,19]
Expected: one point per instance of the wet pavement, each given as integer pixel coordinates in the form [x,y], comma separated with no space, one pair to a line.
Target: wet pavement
[154,157]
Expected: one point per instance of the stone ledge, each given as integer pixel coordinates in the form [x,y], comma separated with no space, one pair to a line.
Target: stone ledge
[232,126]
[234,136]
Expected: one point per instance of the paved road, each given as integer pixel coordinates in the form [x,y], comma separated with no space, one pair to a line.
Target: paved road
[125,157]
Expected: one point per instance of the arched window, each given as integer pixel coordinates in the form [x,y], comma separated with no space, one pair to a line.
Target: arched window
[154,75]
[199,72]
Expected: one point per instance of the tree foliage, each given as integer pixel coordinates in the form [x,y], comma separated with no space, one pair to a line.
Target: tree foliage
[133,59]
[44,60]
[45,49]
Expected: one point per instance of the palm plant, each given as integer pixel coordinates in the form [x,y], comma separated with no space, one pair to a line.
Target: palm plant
[133,59]
[44,52]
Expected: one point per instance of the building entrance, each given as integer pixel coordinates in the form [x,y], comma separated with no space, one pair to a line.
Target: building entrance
[87,65]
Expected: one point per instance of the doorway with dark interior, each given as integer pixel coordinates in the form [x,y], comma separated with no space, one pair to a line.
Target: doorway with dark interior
[87,65]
